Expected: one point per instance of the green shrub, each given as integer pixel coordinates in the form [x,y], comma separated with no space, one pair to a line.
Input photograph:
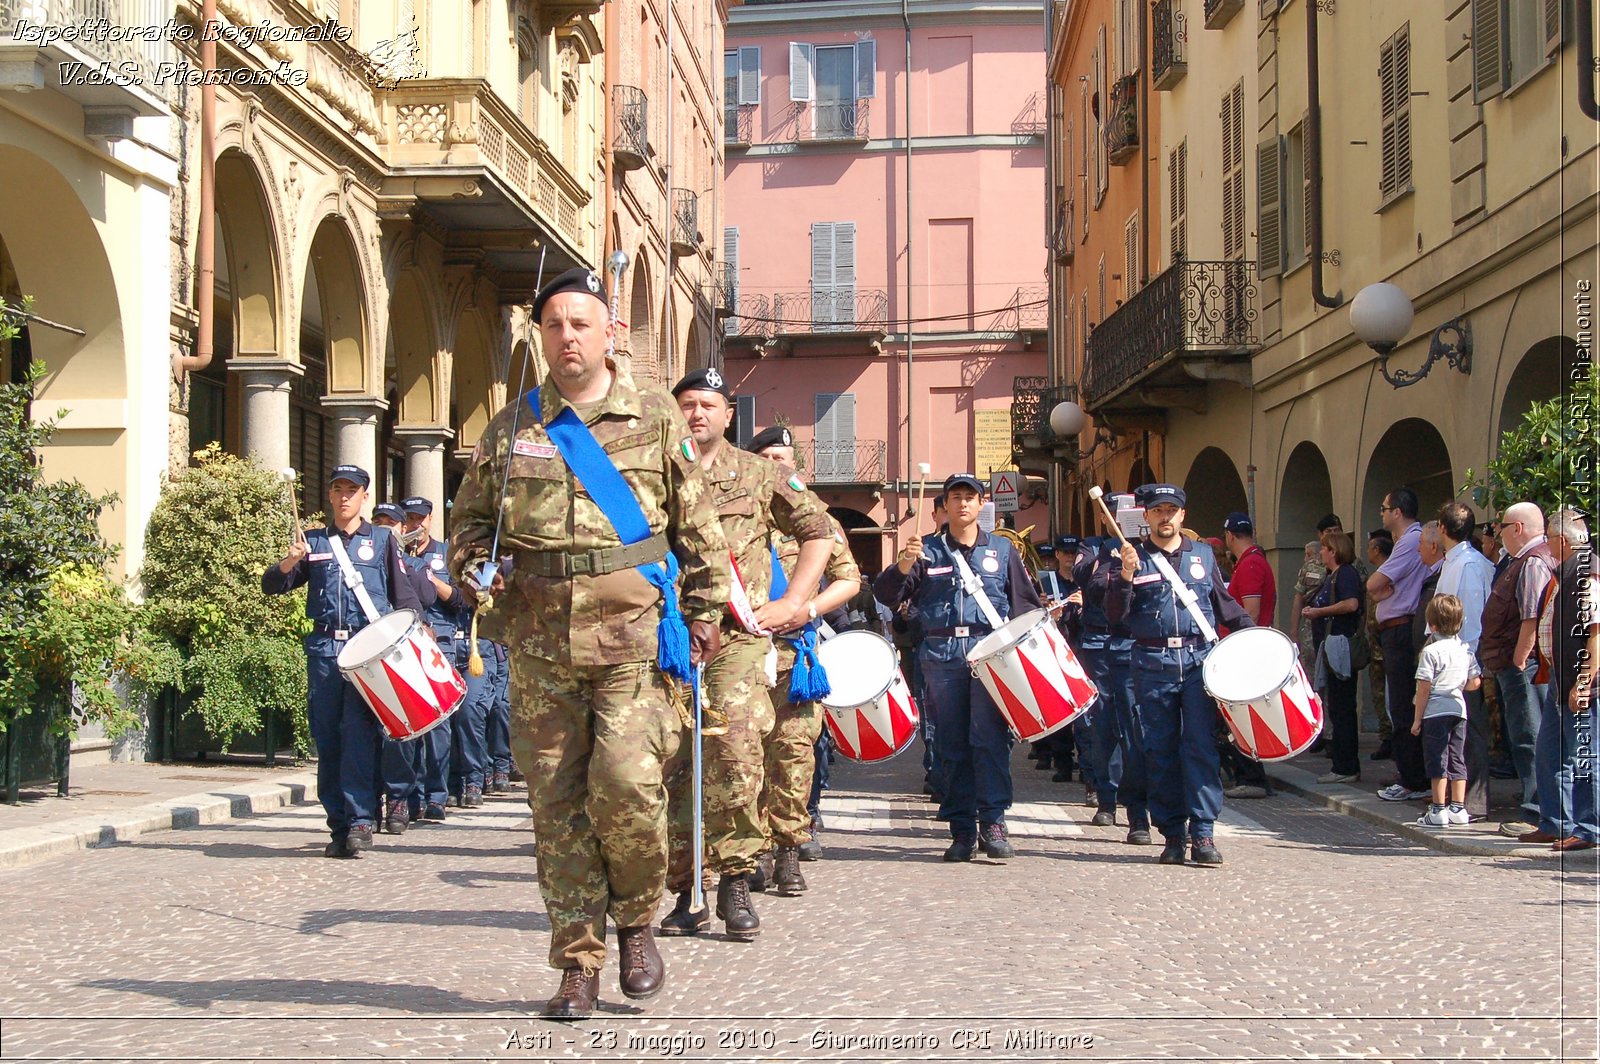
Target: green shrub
[1549,457]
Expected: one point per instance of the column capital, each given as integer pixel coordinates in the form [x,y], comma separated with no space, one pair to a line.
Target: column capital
[263,370]
[358,406]
[424,437]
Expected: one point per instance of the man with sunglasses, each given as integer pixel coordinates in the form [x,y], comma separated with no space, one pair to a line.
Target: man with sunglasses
[1397,589]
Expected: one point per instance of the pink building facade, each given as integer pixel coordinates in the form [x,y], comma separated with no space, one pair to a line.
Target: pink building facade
[884,297]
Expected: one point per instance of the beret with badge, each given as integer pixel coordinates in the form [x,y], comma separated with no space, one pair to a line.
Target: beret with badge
[703,380]
[580,279]
[776,436]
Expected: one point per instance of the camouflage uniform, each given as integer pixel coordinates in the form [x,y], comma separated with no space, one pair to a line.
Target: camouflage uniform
[791,745]
[752,495]
[1306,584]
[593,724]
[1375,674]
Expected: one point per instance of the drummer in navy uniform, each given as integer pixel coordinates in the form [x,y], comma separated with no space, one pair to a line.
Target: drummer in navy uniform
[972,741]
[348,737]
[1169,645]
[402,759]
[1107,651]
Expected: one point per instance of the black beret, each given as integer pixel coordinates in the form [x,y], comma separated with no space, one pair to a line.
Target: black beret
[776,436]
[704,380]
[416,506]
[353,473]
[581,279]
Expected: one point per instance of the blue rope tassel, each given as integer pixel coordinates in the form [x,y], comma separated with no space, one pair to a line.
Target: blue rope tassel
[672,634]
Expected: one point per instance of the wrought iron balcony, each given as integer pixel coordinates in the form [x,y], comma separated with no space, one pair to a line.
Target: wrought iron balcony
[1122,127]
[834,120]
[842,461]
[1029,416]
[1169,44]
[1063,240]
[1195,321]
[1220,12]
[630,133]
[685,222]
[738,126]
[724,290]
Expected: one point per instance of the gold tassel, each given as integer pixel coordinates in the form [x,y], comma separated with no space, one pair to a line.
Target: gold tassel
[475,660]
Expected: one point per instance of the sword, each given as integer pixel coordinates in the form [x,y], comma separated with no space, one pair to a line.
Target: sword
[697,893]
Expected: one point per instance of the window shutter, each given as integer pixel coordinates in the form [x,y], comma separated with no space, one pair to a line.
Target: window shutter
[1233,173]
[835,436]
[749,74]
[1488,62]
[1305,186]
[1269,207]
[745,421]
[1402,109]
[1386,107]
[822,272]
[866,69]
[1554,26]
[730,259]
[844,272]
[1178,198]
[1130,257]
[802,61]
[1102,289]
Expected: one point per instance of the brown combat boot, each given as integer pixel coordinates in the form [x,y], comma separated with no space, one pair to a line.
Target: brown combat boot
[575,997]
[787,877]
[643,972]
[735,909]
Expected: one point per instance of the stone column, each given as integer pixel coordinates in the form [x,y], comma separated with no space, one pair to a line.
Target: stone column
[357,420]
[266,383]
[425,448]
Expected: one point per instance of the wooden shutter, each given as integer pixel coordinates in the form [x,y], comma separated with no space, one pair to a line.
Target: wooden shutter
[1488,58]
[1269,206]
[835,436]
[844,272]
[1103,112]
[1102,289]
[1306,202]
[1083,319]
[749,74]
[1554,26]
[866,69]
[1233,173]
[730,260]
[1394,86]
[1083,174]
[822,272]
[1178,199]
[1130,256]
[802,61]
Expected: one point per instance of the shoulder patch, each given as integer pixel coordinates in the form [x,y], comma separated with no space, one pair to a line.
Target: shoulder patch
[687,448]
[796,483]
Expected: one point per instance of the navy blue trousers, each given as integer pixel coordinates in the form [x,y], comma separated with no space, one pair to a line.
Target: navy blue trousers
[972,744]
[1179,717]
[349,747]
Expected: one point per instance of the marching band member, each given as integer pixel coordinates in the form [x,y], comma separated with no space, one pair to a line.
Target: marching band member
[403,760]
[1107,651]
[752,497]
[436,750]
[603,502]
[1169,594]
[973,743]
[342,564]
[790,747]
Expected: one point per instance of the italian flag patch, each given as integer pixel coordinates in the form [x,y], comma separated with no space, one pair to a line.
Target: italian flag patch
[796,483]
[690,451]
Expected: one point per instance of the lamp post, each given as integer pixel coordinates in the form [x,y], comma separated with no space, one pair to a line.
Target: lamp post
[1067,420]
[1381,314]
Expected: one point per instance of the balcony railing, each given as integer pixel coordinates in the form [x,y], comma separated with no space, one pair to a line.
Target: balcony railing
[137,93]
[1220,12]
[1062,238]
[803,313]
[1122,131]
[1169,44]
[842,461]
[1191,308]
[630,133]
[685,221]
[738,126]
[1029,415]
[834,120]
[1026,312]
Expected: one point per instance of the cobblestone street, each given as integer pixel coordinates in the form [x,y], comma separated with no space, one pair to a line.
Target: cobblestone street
[1321,937]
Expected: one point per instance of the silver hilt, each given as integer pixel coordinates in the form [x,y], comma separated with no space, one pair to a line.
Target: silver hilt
[616,266]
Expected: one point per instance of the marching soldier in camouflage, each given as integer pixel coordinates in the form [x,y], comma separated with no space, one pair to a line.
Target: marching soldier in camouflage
[790,747]
[752,497]
[593,723]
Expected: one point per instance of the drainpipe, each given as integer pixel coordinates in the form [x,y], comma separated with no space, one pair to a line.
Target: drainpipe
[1144,143]
[670,220]
[905,17]
[608,104]
[1314,166]
[1586,67]
[206,244]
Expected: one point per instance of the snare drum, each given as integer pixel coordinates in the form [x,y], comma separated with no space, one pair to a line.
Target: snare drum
[1032,675]
[1270,706]
[869,710]
[402,674]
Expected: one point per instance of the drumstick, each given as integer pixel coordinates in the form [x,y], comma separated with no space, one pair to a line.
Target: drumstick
[288,474]
[1105,511]
[922,485]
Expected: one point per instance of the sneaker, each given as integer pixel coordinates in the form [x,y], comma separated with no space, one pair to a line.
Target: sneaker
[1339,777]
[1245,790]
[396,817]
[962,848]
[1435,817]
[1516,828]
[473,798]
[360,838]
[1398,792]
[339,851]
[1203,851]
[1091,799]
[1105,818]
[994,842]
[1458,815]
[1173,852]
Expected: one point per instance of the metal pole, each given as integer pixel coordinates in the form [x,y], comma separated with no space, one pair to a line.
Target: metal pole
[911,393]
[697,892]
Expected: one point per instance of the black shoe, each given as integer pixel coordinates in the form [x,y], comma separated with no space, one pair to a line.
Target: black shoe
[360,838]
[1384,752]
[1317,747]
[683,920]
[396,817]
[962,848]
[994,842]
[1062,775]
[788,879]
[502,782]
[339,851]
[643,973]
[735,909]
[1038,752]
[1502,770]
[473,798]
[810,850]
[575,998]
[1139,837]
[1104,818]
[434,812]
[763,873]
[1172,852]
[1204,852]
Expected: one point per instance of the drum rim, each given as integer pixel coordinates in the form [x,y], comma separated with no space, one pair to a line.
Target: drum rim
[404,634]
[894,656]
[1042,620]
[902,748]
[1205,667]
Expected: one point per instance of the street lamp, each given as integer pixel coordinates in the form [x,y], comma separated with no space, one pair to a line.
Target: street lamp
[1381,314]
[1067,420]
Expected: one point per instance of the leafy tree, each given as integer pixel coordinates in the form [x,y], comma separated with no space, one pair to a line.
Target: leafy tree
[1549,457]
[218,526]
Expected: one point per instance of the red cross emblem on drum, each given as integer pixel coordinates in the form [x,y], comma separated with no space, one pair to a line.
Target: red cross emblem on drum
[401,674]
[868,709]
[1033,676]
[1270,706]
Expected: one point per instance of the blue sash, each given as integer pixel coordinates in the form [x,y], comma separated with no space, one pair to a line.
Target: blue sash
[808,681]
[592,466]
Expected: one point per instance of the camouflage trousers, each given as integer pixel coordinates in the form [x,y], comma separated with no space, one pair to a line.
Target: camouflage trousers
[791,754]
[592,742]
[735,691]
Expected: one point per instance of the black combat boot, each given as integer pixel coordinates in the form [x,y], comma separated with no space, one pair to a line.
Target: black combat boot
[683,920]
[788,878]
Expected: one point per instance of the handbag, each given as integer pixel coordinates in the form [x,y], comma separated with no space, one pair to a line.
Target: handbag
[1360,650]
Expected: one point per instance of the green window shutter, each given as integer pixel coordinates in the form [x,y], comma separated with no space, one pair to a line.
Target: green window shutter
[1269,207]
[1488,58]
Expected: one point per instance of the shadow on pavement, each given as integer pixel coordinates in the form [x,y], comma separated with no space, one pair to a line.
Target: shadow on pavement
[476,880]
[320,920]
[401,997]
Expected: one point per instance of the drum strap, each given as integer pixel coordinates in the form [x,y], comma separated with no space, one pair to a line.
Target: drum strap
[352,579]
[974,587]
[1186,595]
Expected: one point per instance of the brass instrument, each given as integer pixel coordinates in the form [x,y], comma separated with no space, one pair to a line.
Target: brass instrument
[1030,556]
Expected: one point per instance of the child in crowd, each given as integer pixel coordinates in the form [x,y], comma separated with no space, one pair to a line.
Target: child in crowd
[1445,668]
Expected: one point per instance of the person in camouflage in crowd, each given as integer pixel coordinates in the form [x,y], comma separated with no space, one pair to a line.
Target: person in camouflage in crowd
[790,747]
[1306,583]
[753,497]
[1379,546]
[592,720]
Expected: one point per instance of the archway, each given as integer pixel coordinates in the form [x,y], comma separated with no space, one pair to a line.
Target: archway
[1214,491]
[1141,473]
[693,355]
[414,348]
[1537,378]
[641,324]
[336,271]
[864,536]
[1411,454]
[472,381]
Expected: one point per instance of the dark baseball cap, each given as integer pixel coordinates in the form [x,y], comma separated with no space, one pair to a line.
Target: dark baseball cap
[1239,524]
[416,506]
[963,480]
[389,510]
[1149,495]
[353,473]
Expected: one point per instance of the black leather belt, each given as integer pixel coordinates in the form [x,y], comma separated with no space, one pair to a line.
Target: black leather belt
[960,631]
[559,564]
[1172,643]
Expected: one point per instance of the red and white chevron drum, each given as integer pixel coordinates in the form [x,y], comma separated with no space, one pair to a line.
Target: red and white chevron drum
[402,674]
[1033,675]
[869,710]
[1270,706]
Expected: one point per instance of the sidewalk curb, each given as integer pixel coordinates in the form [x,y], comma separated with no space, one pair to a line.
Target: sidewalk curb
[26,846]
[1367,806]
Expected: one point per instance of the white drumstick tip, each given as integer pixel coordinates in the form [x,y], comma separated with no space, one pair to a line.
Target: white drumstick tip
[924,468]
[1096,492]
[287,473]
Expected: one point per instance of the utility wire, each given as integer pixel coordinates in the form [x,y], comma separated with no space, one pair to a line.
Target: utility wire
[898,321]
